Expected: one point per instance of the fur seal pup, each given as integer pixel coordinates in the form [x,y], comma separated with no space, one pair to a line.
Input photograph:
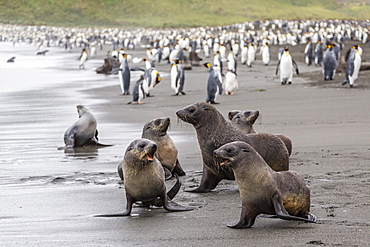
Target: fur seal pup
[244,121]
[156,130]
[262,190]
[83,132]
[144,178]
[213,131]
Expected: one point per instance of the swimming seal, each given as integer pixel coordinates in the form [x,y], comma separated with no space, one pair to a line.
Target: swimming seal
[213,131]
[144,178]
[244,121]
[84,131]
[262,190]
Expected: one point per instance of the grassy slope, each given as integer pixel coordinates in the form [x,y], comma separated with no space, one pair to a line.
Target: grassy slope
[172,13]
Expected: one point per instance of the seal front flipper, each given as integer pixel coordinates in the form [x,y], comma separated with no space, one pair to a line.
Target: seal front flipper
[283,214]
[208,182]
[178,169]
[247,218]
[127,212]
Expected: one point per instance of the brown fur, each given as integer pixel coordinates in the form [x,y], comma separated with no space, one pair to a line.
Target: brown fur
[244,121]
[156,130]
[213,131]
[260,187]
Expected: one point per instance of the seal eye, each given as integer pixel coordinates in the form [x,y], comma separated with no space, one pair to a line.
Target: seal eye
[228,150]
[191,110]
[157,122]
[142,145]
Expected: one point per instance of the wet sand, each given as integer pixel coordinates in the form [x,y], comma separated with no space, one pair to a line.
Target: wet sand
[50,200]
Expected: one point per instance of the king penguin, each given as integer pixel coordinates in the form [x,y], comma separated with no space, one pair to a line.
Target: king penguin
[177,77]
[244,54]
[329,63]
[265,54]
[353,66]
[151,77]
[214,86]
[251,55]
[230,84]
[318,53]
[138,93]
[285,65]
[308,53]
[83,59]
[125,76]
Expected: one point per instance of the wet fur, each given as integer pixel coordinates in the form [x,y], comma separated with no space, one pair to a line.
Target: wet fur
[213,131]
[262,190]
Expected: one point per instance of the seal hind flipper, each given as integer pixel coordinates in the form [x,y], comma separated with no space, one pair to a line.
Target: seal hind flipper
[171,193]
[167,173]
[173,206]
[283,214]
[208,182]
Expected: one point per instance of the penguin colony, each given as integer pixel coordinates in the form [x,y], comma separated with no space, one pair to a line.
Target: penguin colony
[239,44]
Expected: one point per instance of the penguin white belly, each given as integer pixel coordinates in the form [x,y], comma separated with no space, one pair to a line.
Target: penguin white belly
[230,83]
[286,68]
[266,55]
[174,81]
[83,59]
[206,51]
[121,81]
[173,55]
[356,68]
[243,55]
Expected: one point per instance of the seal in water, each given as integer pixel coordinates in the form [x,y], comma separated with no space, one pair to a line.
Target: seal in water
[213,131]
[244,121]
[144,178]
[262,190]
[83,132]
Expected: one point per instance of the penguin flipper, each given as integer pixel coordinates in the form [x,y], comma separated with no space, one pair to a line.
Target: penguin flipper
[295,66]
[277,68]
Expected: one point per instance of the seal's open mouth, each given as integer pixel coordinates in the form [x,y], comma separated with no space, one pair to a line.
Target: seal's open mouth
[224,162]
[149,157]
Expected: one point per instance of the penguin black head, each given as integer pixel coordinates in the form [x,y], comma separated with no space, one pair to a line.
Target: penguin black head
[207,65]
[286,48]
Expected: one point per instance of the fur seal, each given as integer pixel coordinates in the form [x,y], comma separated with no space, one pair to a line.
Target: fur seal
[83,132]
[262,190]
[144,178]
[244,121]
[213,131]
[156,130]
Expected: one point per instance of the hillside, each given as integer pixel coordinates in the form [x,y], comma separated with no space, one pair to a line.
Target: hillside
[173,13]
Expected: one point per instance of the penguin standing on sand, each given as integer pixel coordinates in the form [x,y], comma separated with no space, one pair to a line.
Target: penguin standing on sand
[318,53]
[353,66]
[83,59]
[230,84]
[138,93]
[244,54]
[151,77]
[124,75]
[231,62]
[251,55]
[265,54]
[285,65]
[308,53]
[329,63]
[214,86]
[177,77]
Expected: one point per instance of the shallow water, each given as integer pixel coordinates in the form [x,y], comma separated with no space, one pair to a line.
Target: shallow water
[38,98]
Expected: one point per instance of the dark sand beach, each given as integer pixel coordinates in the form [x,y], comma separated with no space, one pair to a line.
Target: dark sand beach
[49,197]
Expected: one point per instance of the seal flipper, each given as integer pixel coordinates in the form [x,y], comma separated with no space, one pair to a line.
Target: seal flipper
[209,182]
[167,173]
[247,218]
[171,193]
[178,169]
[283,214]
[127,212]
[173,206]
